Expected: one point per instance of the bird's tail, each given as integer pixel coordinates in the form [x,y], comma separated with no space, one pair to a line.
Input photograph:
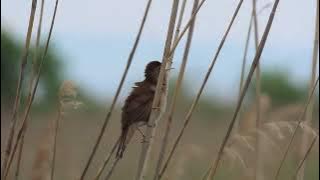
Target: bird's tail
[122,143]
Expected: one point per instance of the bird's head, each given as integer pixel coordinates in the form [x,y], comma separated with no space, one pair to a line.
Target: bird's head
[152,71]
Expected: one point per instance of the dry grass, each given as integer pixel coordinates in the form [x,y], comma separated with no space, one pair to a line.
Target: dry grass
[245,88]
[31,81]
[114,101]
[160,97]
[309,114]
[41,165]
[177,87]
[29,99]
[195,102]
[73,142]
[263,130]
[18,92]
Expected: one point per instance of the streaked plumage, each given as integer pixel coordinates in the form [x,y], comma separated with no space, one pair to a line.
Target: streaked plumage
[137,108]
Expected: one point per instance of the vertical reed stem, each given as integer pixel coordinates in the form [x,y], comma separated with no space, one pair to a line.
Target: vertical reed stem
[114,101]
[305,137]
[245,88]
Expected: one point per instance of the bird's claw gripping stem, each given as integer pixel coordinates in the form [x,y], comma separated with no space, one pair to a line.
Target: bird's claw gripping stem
[146,141]
[151,125]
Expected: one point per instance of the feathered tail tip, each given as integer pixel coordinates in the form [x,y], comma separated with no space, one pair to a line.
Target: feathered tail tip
[122,143]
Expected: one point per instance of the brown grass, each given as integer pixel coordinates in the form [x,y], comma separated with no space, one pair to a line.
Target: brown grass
[263,130]
[253,66]
[114,101]
[30,97]
[195,102]
[177,87]
[16,105]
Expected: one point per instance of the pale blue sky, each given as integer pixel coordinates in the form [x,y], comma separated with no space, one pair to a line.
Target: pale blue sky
[95,37]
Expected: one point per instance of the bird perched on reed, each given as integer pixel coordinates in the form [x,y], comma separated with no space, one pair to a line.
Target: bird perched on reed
[138,105]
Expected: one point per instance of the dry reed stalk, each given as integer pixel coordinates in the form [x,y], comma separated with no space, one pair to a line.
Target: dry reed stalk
[305,138]
[305,156]
[195,102]
[186,27]
[245,138]
[300,119]
[181,14]
[54,147]
[164,144]
[114,101]
[106,160]
[206,174]
[21,144]
[41,164]
[67,95]
[37,49]
[32,94]
[243,69]
[67,99]
[112,168]
[9,141]
[245,88]
[160,97]
[258,171]
[32,78]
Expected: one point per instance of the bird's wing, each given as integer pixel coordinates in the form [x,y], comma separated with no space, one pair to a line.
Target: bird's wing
[137,107]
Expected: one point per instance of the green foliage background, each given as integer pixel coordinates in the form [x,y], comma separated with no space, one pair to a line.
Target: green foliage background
[51,75]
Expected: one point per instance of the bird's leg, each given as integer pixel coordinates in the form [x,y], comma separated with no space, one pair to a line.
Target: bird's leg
[151,125]
[156,108]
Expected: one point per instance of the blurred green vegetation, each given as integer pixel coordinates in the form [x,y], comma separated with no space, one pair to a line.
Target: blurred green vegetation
[10,51]
[280,89]
[275,84]
[50,80]
[51,76]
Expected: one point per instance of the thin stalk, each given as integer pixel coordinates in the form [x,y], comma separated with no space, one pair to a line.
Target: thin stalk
[196,100]
[16,104]
[31,95]
[32,78]
[164,144]
[184,30]
[306,155]
[305,139]
[258,162]
[36,53]
[245,56]
[54,150]
[300,120]
[114,101]
[245,88]
[243,66]
[112,168]
[206,174]
[159,101]
[106,160]
[255,23]
[21,144]
[180,18]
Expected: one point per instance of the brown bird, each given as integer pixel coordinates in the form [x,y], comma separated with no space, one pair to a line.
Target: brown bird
[138,105]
